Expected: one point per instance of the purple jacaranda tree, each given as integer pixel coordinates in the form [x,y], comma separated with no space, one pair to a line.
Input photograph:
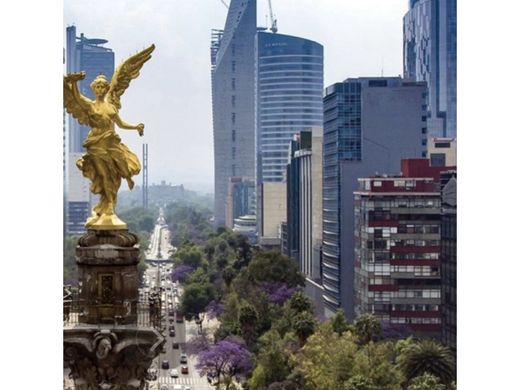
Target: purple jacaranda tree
[224,362]
[197,344]
[277,292]
[180,273]
[214,309]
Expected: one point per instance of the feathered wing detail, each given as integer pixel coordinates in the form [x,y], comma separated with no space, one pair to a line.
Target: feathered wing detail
[125,72]
[73,106]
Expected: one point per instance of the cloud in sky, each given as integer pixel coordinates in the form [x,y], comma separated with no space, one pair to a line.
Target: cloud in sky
[172,96]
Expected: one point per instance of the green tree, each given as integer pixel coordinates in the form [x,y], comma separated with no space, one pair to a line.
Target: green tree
[304,325]
[359,382]
[428,356]
[191,255]
[247,317]
[367,327]
[299,302]
[274,267]
[195,299]
[339,322]
[426,381]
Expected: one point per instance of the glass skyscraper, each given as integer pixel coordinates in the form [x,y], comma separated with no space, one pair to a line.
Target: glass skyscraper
[430,54]
[369,125]
[232,81]
[288,91]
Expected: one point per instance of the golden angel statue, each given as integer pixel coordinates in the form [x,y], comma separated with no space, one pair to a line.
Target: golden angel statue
[107,160]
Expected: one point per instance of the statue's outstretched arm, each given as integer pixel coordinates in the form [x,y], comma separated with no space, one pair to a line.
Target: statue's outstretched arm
[127,126]
[75,103]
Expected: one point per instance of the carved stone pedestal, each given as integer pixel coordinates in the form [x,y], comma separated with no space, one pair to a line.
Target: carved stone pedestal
[111,340]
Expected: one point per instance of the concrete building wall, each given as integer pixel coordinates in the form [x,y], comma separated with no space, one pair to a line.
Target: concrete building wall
[274,208]
[442,151]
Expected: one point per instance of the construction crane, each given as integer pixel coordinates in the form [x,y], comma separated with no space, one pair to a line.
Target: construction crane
[274,27]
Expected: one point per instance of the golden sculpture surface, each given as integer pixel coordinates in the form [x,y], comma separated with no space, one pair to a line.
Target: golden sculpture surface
[107,160]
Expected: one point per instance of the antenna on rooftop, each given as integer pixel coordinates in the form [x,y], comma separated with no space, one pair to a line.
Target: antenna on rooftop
[274,27]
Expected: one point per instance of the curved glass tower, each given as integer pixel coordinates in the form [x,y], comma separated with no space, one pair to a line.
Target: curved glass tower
[288,92]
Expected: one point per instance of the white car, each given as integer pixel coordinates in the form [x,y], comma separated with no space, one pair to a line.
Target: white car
[178,387]
[174,373]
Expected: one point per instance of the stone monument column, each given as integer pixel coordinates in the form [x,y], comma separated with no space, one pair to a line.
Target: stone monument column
[110,338]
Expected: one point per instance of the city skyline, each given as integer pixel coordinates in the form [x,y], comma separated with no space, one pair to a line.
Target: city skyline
[177,108]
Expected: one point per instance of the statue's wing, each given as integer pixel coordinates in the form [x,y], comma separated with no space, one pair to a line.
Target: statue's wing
[125,72]
[73,106]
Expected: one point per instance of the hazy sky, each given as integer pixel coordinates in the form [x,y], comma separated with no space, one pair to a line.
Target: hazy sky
[172,96]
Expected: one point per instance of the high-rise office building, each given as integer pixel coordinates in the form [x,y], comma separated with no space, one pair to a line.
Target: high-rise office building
[304,200]
[370,124]
[232,82]
[449,263]
[288,93]
[430,54]
[89,55]
[397,252]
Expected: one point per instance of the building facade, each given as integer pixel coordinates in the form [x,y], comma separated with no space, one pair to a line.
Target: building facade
[288,93]
[397,252]
[232,82]
[442,151]
[430,54]
[449,263]
[240,198]
[370,124]
[304,201]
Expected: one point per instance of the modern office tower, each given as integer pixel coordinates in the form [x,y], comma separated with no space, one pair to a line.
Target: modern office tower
[397,252]
[370,124]
[430,54]
[78,198]
[288,93]
[304,200]
[232,83]
[89,55]
[449,263]
[240,199]
[442,151]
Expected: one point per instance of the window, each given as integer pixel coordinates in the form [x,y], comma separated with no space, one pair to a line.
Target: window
[233,135]
[377,183]
[233,84]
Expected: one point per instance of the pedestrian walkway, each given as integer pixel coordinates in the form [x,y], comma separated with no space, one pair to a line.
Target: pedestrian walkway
[198,381]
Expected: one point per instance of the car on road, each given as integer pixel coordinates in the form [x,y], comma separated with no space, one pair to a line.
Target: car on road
[174,373]
[172,333]
[165,364]
[184,358]
[184,370]
[175,345]
[179,317]
[164,387]
[178,387]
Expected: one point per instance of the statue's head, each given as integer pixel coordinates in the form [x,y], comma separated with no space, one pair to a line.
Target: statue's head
[100,85]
